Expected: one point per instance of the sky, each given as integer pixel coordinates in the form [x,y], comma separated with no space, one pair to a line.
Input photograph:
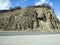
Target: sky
[6,4]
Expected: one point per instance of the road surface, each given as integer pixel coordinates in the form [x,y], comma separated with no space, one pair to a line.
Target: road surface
[13,38]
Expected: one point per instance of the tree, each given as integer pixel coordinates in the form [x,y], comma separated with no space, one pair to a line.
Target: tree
[11,9]
[17,7]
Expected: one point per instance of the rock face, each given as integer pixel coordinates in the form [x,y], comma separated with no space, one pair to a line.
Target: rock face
[33,18]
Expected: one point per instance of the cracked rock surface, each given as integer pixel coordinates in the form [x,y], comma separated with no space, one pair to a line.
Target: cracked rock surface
[34,18]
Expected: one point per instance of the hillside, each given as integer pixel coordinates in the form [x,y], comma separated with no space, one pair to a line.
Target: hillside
[33,18]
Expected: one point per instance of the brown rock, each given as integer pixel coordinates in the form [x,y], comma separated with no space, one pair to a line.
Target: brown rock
[41,18]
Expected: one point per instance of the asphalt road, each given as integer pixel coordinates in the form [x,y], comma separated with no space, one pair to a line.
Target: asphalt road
[23,38]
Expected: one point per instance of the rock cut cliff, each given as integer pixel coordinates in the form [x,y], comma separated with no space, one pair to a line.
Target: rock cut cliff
[32,18]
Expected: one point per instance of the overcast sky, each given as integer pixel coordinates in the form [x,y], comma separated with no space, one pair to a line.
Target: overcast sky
[6,4]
